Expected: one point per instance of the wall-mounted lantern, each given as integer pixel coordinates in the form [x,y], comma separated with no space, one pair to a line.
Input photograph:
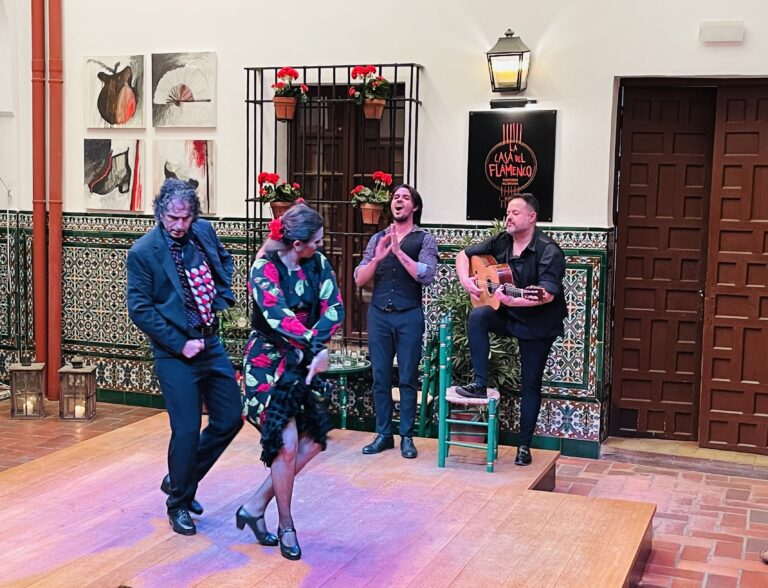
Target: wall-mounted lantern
[508,63]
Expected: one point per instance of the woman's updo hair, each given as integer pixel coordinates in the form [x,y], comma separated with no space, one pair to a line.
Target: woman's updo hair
[300,223]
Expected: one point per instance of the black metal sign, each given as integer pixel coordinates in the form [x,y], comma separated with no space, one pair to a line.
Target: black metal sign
[510,152]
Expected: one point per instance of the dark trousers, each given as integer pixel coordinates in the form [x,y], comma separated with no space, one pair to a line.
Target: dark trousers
[398,332]
[533,358]
[185,383]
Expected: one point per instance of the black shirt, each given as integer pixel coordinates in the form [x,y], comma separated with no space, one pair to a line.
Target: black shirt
[541,263]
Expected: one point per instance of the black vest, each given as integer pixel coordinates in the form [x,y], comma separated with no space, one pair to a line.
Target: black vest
[393,287]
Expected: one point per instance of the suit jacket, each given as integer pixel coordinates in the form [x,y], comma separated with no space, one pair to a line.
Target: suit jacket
[155,296]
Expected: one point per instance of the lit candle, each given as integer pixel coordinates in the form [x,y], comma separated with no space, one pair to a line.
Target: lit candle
[30,405]
[79,411]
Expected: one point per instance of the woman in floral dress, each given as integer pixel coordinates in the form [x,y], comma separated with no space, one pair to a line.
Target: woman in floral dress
[297,309]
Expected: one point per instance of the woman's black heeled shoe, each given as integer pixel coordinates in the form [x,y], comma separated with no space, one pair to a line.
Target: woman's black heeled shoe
[242,518]
[294,552]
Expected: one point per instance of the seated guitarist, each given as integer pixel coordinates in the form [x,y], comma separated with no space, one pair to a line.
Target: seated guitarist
[536,318]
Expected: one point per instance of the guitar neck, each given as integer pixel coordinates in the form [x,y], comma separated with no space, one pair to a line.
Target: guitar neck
[509,290]
[513,291]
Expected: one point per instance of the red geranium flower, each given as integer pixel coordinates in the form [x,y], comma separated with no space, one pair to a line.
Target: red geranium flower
[384,178]
[285,87]
[288,72]
[370,85]
[379,194]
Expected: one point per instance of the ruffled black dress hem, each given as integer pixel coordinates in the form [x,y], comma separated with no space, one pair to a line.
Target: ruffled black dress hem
[292,398]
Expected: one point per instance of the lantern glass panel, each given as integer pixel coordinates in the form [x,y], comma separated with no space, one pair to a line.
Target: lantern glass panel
[510,72]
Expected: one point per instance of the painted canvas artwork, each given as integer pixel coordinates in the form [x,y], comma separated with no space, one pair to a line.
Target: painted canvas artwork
[113,174]
[114,92]
[191,161]
[184,89]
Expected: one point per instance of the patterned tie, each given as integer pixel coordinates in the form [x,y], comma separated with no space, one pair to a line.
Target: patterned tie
[200,280]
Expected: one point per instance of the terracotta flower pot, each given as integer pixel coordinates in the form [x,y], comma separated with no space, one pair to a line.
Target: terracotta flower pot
[279,208]
[285,107]
[371,213]
[373,108]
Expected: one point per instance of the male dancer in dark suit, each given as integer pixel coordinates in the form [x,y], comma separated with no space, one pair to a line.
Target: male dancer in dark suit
[179,275]
[399,261]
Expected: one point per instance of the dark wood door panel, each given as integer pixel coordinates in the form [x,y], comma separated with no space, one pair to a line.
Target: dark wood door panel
[663,200]
[734,396]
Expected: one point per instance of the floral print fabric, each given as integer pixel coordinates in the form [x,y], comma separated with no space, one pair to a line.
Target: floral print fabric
[286,305]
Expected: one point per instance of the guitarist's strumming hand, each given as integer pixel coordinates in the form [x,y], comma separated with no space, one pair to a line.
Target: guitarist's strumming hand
[469,283]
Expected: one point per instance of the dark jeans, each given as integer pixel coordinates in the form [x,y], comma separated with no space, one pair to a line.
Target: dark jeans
[398,332]
[533,357]
[185,383]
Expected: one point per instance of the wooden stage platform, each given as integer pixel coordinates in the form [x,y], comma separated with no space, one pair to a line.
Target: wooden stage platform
[93,515]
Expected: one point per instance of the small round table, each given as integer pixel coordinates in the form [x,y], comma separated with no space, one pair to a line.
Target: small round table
[342,371]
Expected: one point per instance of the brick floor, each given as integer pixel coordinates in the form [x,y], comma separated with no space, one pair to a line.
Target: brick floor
[22,440]
[708,529]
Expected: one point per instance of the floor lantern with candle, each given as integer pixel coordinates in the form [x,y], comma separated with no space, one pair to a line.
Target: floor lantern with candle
[27,389]
[77,391]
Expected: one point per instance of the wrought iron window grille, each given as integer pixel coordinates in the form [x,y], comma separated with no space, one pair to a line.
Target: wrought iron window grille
[328,148]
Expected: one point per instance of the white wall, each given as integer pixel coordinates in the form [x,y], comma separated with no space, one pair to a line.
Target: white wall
[15,104]
[579,48]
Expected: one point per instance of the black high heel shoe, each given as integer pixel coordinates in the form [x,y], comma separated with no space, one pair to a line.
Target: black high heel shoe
[242,518]
[294,552]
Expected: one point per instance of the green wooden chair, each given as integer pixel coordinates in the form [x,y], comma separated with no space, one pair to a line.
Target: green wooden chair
[452,405]
[429,374]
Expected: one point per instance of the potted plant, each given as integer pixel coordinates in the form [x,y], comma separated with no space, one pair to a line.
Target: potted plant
[287,95]
[234,328]
[371,201]
[280,196]
[371,90]
[503,363]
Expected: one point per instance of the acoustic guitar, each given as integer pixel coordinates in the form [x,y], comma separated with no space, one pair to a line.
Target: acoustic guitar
[490,276]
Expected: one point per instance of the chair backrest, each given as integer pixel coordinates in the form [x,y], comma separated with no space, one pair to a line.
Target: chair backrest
[446,347]
[429,388]
[429,366]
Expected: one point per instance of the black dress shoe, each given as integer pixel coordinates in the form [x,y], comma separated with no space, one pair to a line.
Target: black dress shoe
[380,443]
[194,507]
[181,522]
[407,448]
[523,457]
[264,537]
[472,391]
[294,552]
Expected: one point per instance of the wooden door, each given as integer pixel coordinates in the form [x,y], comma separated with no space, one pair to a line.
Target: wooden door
[661,229]
[734,398]
[332,149]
